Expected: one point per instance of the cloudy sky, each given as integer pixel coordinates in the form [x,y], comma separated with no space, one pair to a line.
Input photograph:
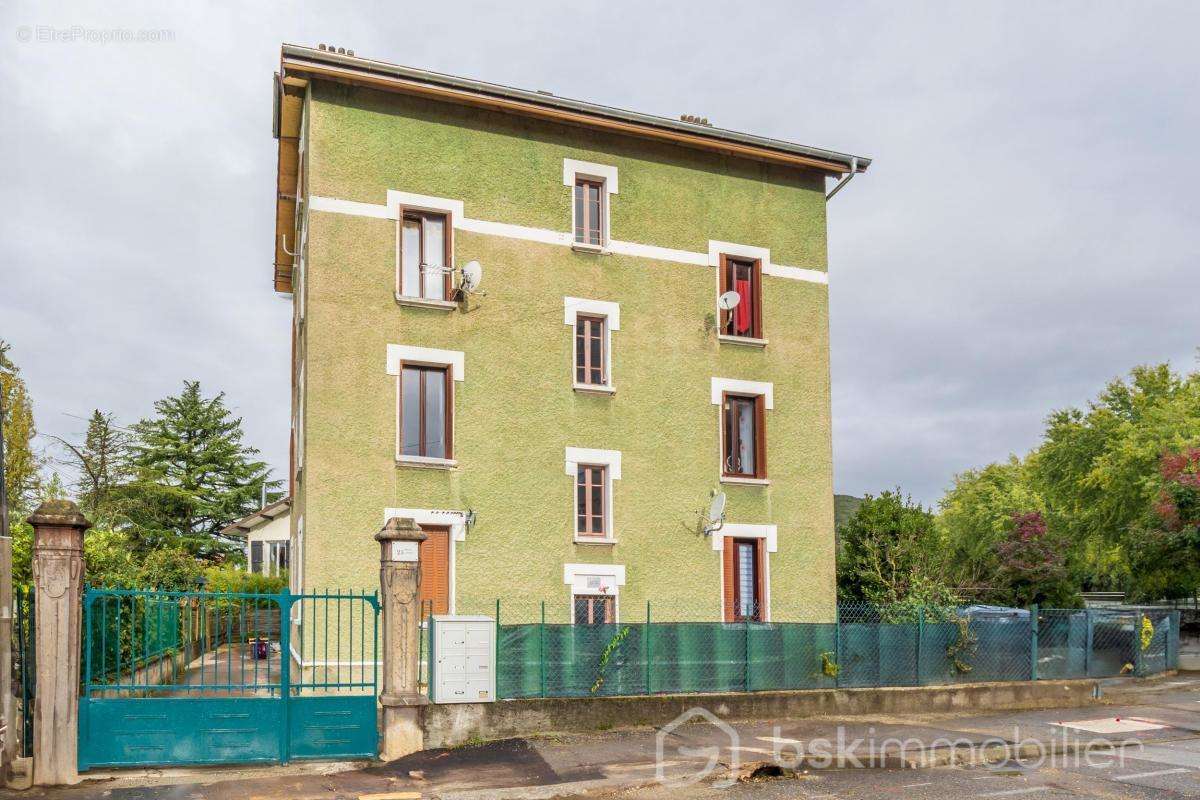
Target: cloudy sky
[1028,230]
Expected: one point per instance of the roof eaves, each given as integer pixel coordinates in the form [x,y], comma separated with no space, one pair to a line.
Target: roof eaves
[301,54]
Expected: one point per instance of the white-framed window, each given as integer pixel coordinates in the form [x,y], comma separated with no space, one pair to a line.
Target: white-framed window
[593,473]
[745,552]
[425,379]
[595,591]
[424,248]
[591,187]
[742,429]
[592,323]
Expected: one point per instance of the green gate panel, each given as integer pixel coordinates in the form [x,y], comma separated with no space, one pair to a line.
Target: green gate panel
[333,726]
[158,731]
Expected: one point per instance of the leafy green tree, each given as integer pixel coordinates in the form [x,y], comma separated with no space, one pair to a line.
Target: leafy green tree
[1165,554]
[193,474]
[1098,470]
[109,560]
[976,516]
[170,569]
[21,463]
[891,553]
[1033,566]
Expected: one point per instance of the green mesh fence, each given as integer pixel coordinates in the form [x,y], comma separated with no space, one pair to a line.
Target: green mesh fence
[864,647]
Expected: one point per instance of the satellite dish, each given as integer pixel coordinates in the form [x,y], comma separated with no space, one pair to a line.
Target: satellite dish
[472,274]
[729,301]
[716,513]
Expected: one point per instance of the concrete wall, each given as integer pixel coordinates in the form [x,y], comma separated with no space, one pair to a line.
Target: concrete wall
[516,411]
[450,725]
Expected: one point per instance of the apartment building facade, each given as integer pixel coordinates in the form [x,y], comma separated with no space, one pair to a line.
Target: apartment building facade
[560,428]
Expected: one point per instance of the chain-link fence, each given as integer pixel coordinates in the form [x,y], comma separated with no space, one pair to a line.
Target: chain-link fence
[539,655]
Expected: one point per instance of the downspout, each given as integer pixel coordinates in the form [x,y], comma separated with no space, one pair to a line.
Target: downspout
[848,177]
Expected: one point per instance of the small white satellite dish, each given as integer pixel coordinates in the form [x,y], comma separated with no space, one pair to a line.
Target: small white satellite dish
[729,301]
[716,513]
[472,274]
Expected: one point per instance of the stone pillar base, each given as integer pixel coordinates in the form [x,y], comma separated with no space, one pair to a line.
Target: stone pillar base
[402,731]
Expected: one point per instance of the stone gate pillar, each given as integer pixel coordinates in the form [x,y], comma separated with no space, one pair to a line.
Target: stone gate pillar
[58,588]
[400,579]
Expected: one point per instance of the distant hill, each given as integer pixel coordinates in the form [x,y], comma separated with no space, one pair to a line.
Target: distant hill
[844,506]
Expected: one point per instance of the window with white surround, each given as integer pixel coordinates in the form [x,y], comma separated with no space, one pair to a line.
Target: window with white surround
[425,379]
[592,323]
[593,473]
[591,187]
[425,255]
[742,428]
[424,248]
[745,552]
[595,592]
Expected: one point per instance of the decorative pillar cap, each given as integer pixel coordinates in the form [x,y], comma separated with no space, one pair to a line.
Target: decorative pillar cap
[59,513]
[401,529]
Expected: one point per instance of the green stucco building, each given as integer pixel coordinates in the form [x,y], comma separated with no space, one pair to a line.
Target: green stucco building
[508,326]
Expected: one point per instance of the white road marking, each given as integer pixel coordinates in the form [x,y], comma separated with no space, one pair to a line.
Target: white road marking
[1155,774]
[779,740]
[1012,792]
[1112,725]
[916,785]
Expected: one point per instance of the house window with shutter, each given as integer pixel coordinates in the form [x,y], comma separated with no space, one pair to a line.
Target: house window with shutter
[744,277]
[743,572]
[256,557]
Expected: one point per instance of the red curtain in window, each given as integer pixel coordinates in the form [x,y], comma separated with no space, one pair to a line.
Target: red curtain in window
[741,314]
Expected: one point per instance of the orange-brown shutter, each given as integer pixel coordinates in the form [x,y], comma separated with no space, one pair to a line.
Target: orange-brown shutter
[728,577]
[435,570]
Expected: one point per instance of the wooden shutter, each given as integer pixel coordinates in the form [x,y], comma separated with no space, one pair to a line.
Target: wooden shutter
[434,554]
[728,577]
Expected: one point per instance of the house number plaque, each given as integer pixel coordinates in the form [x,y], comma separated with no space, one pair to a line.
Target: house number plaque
[404,551]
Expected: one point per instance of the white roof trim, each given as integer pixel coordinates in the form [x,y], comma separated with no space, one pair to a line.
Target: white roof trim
[722,385]
[614,571]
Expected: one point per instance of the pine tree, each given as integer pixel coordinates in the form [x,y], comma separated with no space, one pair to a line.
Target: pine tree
[21,464]
[193,474]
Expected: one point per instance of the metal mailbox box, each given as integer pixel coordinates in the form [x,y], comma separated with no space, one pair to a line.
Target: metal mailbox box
[462,659]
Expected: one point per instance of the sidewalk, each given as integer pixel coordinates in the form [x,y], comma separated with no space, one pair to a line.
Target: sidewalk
[1145,715]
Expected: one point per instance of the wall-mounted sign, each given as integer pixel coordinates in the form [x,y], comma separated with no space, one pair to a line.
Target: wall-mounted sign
[403,551]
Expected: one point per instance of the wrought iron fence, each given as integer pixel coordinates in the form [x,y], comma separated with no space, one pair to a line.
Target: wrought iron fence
[24,675]
[209,644]
[539,655]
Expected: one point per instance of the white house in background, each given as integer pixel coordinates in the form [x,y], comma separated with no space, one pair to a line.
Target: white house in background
[267,535]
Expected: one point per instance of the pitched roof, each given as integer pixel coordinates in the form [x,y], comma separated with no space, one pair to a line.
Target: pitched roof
[257,519]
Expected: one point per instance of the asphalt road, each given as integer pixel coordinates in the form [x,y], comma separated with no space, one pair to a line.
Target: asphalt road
[1167,772]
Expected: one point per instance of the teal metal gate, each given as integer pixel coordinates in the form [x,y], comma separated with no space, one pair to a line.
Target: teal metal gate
[174,678]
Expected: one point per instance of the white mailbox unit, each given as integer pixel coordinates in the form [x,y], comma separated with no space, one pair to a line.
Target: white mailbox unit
[462,659]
